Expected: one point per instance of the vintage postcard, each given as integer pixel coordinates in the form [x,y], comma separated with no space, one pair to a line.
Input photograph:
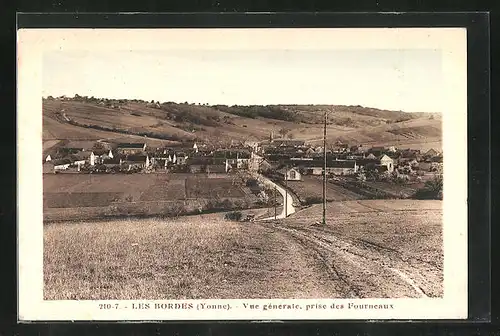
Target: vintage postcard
[242,174]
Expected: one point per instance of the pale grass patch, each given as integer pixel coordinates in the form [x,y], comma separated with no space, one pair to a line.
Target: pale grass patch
[134,259]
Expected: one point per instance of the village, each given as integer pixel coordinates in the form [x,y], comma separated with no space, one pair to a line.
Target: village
[242,175]
[211,187]
[290,158]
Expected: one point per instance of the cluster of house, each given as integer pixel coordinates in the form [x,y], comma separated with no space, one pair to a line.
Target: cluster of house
[295,159]
[290,157]
[138,157]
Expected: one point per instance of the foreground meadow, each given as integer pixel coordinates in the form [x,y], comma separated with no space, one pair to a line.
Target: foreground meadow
[193,257]
[368,249]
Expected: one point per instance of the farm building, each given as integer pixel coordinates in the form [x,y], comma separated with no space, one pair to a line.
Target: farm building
[431,153]
[48,158]
[335,167]
[136,161]
[287,142]
[378,151]
[62,164]
[291,174]
[410,154]
[131,148]
[84,157]
[112,162]
[386,161]
[371,156]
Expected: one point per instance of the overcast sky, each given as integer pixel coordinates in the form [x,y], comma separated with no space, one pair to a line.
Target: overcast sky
[407,80]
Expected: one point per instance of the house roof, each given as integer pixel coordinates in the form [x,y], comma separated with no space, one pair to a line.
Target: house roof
[431,151]
[113,160]
[205,161]
[233,154]
[285,170]
[329,164]
[81,155]
[61,162]
[100,151]
[437,159]
[131,145]
[136,158]
[363,162]
[289,142]
[384,156]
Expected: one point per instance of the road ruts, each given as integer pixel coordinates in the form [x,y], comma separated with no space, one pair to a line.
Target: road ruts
[360,269]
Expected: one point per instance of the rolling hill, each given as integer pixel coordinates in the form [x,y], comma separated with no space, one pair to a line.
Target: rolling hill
[155,123]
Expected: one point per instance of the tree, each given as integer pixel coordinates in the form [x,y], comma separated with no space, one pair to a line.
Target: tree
[361,177]
[371,170]
[98,145]
[433,189]
[283,131]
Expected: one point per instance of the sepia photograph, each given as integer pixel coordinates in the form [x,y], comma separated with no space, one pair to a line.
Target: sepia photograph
[244,169]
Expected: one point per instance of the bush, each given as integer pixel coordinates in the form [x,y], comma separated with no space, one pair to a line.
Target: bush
[313,200]
[433,189]
[233,216]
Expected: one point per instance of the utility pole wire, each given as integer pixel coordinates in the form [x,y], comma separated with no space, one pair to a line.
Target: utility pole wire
[324,170]
[286,191]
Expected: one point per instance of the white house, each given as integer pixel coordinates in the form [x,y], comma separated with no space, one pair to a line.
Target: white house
[48,158]
[387,162]
[292,174]
[195,147]
[61,164]
[335,167]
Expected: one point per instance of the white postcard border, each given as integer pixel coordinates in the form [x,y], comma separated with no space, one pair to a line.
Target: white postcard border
[33,43]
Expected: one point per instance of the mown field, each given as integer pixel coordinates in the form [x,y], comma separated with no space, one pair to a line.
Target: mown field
[204,257]
[404,234]
[192,258]
[96,195]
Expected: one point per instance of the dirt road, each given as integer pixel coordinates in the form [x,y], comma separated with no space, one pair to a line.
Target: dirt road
[288,208]
[359,269]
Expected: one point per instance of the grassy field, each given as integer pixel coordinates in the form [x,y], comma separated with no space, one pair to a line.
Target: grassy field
[77,196]
[312,186]
[185,259]
[205,257]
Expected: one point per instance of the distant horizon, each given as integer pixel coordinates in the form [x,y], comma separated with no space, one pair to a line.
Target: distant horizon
[212,105]
[407,80]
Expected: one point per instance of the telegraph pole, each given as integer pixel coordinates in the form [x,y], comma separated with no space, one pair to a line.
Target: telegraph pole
[324,171]
[286,191]
[275,203]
